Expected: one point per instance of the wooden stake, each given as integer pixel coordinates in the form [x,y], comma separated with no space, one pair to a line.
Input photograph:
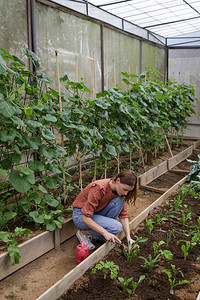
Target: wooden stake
[130,159]
[105,169]
[118,162]
[60,106]
[95,79]
[170,151]
[141,155]
[78,158]
[95,169]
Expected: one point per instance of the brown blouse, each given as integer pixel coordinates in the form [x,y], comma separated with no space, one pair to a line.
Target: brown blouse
[95,197]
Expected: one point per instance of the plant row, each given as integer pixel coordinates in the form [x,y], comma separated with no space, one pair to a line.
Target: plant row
[180,213]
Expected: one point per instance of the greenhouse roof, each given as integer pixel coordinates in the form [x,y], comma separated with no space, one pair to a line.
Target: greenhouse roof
[171,22]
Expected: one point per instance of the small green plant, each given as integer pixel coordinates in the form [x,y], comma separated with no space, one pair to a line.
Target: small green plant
[136,283]
[160,218]
[185,248]
[125,282]
[169,236]
[172,277]
[107,267]
[156,247]
[133,249]
[149,224]
[198,259]
[150,263]
[10,241]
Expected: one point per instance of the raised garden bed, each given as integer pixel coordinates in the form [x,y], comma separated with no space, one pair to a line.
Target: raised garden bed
[156,284]
[62,235]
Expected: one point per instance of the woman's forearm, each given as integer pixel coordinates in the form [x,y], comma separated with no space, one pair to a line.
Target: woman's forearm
[126,228]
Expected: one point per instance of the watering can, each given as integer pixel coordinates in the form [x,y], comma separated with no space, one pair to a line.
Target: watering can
[82,252]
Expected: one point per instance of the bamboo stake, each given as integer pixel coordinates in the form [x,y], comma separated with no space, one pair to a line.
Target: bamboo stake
[141,155]
[95,169]
[60,106]
[129,68]
[105,169]
[95,79]
[118,162]
[78,158]
[170,151]
[130,159]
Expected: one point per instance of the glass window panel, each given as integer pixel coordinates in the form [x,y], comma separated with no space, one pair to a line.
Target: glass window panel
[121,54]
[13,24]
[77,42]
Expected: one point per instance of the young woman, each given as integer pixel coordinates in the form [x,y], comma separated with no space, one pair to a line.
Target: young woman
[97,207]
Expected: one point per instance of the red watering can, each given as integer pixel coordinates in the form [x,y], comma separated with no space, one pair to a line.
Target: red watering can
[82,252]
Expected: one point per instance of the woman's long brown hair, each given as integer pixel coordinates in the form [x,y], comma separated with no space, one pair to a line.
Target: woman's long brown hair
[128,177]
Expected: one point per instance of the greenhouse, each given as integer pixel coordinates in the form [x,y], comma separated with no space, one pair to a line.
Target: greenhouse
[100,149]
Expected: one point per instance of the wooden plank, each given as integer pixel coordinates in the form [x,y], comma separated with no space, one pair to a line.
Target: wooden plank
[60,287]
[29,251]
[143,215]
[68,230]
[178,158]
[153,189]
[153,173]
[178,171]
[36,247]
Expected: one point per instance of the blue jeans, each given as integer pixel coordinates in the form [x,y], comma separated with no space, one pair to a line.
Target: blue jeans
[107,218]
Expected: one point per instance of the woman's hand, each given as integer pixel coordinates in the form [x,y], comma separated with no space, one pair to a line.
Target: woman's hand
[132,242]
[111,238]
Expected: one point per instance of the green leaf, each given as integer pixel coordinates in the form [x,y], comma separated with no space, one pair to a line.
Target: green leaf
[50,118]
[14,253]
[51,226]
[28,110]
[42,189]
[36,166]
[48,135]
[36,217]
[111,150]
[21,182]
[33,124]
[51,182]
[3,172]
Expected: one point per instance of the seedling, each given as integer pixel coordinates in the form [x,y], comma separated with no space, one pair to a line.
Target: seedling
[156,246]
[185,247]
[172,278]
[160,218]
[125,282]
[133,249]
[151,263]
[107,267]
[150,226]
[169,236]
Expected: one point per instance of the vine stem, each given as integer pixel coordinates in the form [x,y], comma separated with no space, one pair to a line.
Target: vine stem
[170,151]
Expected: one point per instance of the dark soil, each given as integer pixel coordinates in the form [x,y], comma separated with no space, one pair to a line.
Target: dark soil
[155,285]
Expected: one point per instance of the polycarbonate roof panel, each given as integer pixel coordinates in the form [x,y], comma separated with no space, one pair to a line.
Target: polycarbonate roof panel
[164,17]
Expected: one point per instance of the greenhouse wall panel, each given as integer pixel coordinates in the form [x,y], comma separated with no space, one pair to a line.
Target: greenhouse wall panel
[13,24]
[184,68]
[153,57]
[77,42]
[121,54]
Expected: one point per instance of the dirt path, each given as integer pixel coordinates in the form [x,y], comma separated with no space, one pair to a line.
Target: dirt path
[35,278]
